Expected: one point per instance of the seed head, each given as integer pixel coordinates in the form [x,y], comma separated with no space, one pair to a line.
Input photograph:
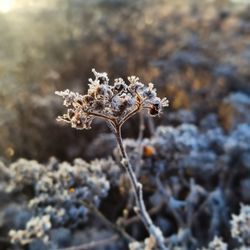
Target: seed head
[114,103]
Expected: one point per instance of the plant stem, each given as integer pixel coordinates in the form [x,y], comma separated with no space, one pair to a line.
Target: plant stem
[94,244]
[137,188]
[167,201]
[108,223]
[136,218]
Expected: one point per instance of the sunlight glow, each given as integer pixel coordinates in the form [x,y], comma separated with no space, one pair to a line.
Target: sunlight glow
[6,5]
[241,1]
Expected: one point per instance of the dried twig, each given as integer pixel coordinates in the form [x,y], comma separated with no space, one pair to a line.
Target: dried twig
[94,244]
[107,222]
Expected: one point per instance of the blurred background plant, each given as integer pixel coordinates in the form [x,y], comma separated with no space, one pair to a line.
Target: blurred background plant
[197,53]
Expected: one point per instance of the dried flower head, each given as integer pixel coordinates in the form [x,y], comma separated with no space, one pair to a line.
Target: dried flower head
[115,103]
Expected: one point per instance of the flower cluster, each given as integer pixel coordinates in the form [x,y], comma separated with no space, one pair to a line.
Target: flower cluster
[37,227]
[22,173]
[148,244]
[216,244]
[60,192]
[114,103]
[241,225]
[62,189]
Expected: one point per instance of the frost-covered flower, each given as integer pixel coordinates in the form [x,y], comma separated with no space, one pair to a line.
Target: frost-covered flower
[60,190]
[114,103]
[136,246]
[149,244]
[216,244]
[240,225]
[37,227]
[23,173]
[64,185]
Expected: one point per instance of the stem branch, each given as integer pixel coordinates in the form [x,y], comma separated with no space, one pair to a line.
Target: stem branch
[107,222]
[137,188]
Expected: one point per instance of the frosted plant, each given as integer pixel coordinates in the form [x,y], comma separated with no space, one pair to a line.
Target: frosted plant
[136,246]
[23,173]
[240,225]
[216,244]
[60,189]
[116,104]
[61,192]
[37,227]
[149,244]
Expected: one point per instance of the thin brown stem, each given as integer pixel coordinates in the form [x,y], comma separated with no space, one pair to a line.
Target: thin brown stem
[94,244]
[151,126]
[107,222]
[141,127]
[173,210]
[137,187]
[138,158]
[136,218]
[111,119]
[129,115]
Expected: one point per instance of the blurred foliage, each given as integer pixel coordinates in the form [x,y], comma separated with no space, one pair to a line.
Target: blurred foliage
[197,53]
